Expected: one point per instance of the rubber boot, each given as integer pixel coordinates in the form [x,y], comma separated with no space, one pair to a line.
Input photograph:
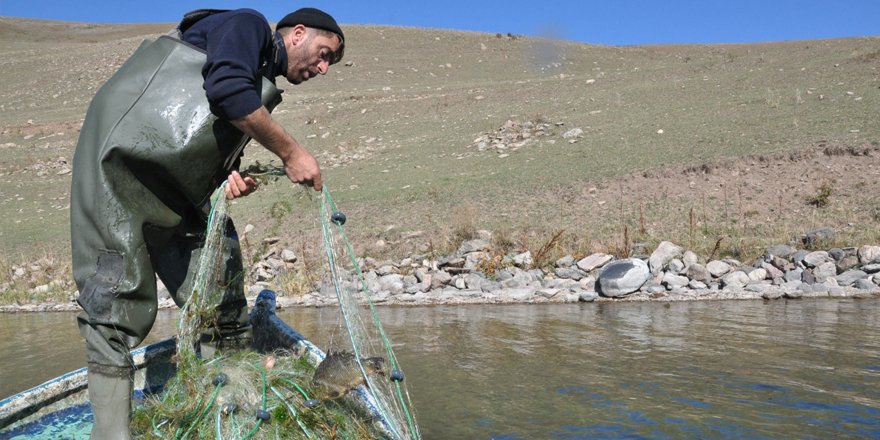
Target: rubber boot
[228,340]
[110,391]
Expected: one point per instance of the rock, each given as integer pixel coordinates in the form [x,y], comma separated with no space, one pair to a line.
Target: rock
[758,287]
[836,254]
[411,285]
[459,283]
[794,274]
[780,250]
[825,271]
[791,286]
[697,285]
[587,296]
[689,259]
[796,294]
[566,261]
[671,280]
[772,294]
[772,271]
[817,237]
[523,260]
[816,258]
[849,277]
[387,269]
[569,273]
[698,272]
[518,295]
[798,257]
[782,264]
[676,266]
[808,277]
[757,274]
[718,268]
[547,293]
[869,254]
[639,250]
[451,262]
[288,256]
[735,279]
[392,283]
[847,263]
[871,268]
[476,245]
[574,133]
[474,281]
[864,284]
[623,277]
[661,256]
[440,279]
[489,286]
[594,261]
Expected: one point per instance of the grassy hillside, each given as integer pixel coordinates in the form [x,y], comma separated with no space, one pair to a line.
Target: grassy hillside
[691,143]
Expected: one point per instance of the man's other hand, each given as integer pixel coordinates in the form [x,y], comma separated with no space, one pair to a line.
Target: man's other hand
[238,186]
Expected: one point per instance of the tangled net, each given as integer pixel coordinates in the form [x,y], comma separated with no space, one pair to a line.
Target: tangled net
[248,394]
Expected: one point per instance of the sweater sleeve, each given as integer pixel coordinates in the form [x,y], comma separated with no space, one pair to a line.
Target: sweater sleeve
[233,60]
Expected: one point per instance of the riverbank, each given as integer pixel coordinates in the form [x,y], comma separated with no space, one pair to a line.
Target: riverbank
[480,273]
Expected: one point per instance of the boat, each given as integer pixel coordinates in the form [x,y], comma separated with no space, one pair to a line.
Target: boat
[59,408]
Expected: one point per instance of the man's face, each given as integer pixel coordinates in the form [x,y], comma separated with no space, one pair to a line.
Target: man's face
[309,53]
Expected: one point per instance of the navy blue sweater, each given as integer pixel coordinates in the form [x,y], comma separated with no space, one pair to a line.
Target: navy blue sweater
[238,44]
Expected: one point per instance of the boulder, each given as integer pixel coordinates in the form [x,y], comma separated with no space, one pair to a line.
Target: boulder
[780,251]
[718,268]
[816,258]
[817,237]
[594,261]
[849,277]
[622,277]
[666,251]
[825,271]
[869,254]
[736,280]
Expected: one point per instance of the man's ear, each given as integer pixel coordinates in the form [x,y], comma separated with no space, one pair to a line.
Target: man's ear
[298,34]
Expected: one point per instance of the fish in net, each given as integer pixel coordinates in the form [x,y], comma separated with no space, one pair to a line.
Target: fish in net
[284,387]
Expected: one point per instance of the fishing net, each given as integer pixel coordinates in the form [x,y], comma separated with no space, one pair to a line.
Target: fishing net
[365,333]
[247,394]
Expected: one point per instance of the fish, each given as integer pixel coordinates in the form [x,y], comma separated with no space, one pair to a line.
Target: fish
[340,373]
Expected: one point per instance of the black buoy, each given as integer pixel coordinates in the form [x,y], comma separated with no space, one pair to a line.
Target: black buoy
[397,375]
[220,379]
[338,217]
[263,415]
[230,408]
[311,403]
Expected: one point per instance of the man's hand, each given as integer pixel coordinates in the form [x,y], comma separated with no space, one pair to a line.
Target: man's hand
[299,165]
[238,186]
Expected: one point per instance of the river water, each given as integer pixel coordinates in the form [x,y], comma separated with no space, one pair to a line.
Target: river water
[807,369]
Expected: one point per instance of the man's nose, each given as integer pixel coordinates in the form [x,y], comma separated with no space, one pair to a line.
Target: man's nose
[323,67]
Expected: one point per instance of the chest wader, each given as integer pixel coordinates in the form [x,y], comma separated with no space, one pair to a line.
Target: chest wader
[149,155]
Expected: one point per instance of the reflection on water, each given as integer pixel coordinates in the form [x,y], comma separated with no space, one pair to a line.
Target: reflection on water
[724,369]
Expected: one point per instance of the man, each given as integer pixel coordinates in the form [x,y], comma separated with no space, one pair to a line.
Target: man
[158,138]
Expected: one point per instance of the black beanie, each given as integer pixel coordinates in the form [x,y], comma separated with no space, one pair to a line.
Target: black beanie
[314,18]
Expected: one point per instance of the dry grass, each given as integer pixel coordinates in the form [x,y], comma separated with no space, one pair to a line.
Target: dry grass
[749,132]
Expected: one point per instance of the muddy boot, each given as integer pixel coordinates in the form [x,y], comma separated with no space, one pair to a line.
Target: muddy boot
[110,395]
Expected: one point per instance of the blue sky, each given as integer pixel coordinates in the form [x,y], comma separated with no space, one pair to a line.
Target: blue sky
[611,22]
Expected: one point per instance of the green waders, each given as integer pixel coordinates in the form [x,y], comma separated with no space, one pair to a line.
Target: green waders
[150,154]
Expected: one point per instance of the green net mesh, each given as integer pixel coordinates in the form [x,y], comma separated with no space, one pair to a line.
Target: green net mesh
[247,394]
[365,333]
